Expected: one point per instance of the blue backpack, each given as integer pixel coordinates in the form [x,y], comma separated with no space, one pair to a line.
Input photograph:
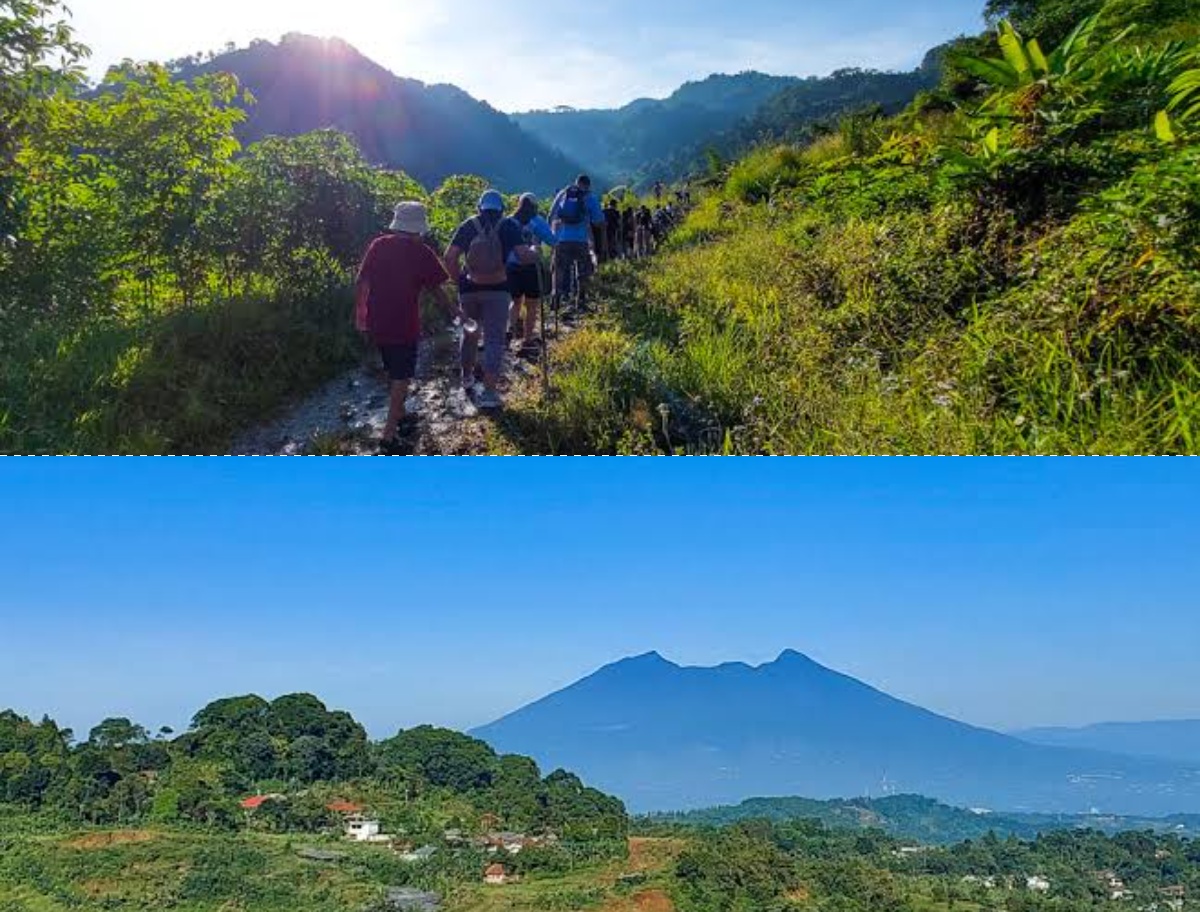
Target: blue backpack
[573,210]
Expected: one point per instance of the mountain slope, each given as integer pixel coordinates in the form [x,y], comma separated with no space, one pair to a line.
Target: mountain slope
[666,737]
[431,132]
[1173,740]
[625,141]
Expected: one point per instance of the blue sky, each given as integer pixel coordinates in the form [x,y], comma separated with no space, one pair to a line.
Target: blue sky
[1001,592]
[521,57]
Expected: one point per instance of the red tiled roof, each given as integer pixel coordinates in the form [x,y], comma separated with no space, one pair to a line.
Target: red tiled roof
[344,807]
[496,870]
[255,802]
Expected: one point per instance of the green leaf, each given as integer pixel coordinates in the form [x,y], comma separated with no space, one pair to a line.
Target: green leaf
[991,142]
[1014,51]
[1163,129]
[994,72]
[1041,66]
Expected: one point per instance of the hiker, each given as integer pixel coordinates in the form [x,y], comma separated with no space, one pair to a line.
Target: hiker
[645,230]
[612,229]
[659,190]
[629,232]
[525,280]
[575,215]
[484,243]
[397,267]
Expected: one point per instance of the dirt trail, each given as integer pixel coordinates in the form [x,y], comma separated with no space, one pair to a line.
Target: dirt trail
[346,416]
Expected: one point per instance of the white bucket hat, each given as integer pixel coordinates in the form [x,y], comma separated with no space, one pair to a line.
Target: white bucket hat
[411,218]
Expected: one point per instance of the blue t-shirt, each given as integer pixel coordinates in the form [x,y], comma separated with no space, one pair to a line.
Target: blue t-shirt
[577,234]
[511,237]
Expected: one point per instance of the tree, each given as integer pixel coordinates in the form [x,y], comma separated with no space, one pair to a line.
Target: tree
[445,759]
[115,734]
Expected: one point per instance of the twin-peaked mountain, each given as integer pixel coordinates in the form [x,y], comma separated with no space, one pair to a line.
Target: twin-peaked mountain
[667,737]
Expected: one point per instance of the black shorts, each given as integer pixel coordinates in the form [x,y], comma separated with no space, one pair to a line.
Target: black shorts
[523,281]
[400,361]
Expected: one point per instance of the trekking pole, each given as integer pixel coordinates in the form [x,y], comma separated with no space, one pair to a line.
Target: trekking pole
[545,338]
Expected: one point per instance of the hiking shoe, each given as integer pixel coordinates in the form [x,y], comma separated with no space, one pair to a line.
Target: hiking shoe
[490,400]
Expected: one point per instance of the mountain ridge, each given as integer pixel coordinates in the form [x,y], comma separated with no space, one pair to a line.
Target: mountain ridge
[670,737]
[1171,739]
[431,132]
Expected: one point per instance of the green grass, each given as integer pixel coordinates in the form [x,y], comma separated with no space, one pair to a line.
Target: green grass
[172,380]
[865,305]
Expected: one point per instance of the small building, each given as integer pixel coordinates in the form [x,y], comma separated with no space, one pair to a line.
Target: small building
[417,856]
[1037,884]
[254,802]
[496,875]
[362,829]
[1173,897]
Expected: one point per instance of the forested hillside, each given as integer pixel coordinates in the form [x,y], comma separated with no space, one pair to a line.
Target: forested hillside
[799,112]
[628,144]
[1011,265]
[303,84]
[419,782]
[923,820]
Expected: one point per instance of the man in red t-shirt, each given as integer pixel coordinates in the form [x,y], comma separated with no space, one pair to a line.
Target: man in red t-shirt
[397,268]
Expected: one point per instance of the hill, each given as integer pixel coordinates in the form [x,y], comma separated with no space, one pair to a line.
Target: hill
[666,737]
[1173,740]
[303,84]
[304,757]
[626,142]
[923,820]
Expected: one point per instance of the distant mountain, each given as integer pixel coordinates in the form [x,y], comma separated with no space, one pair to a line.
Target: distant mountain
[431,132]
[665,737]
[924,820]
[796,112]
[1178,740]
[627,141]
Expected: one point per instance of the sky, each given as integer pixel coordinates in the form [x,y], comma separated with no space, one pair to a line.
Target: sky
[1008,593]
[601,54]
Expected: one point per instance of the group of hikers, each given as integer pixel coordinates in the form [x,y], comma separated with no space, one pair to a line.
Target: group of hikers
[495,262]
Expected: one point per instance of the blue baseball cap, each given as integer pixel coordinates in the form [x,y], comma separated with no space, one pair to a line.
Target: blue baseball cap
[491,201]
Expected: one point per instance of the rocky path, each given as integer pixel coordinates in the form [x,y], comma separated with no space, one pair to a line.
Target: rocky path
[345,416]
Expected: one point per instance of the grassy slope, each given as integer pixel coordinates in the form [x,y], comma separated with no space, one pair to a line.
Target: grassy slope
[859,296]
[197,872]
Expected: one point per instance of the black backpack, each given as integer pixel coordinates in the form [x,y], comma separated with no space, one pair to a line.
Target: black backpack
[573,210]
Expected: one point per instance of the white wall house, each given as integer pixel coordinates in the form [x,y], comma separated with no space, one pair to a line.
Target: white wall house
[362,829]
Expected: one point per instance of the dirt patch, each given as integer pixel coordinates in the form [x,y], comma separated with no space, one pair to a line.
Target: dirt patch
[647,855]
[95,841]
[653,901]
[345,417]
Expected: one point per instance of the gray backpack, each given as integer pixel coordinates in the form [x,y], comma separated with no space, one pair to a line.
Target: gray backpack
[485,256]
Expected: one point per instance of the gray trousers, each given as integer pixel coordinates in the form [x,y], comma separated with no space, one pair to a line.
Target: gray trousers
[490,310]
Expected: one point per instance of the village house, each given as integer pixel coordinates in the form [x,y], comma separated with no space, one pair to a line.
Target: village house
[1173,897]
[496,875]
[1117,891]
[254,802]
[1037,884]
[416,856]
